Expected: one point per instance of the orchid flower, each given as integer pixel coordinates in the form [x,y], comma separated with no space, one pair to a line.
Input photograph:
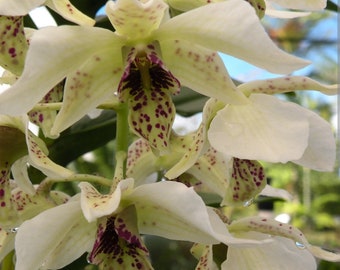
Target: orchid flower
[63,7]
[112,225]
[273,130]
[286,248]
[24,207]
[92,61]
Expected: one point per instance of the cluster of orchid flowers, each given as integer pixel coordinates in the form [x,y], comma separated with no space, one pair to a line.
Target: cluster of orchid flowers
[57,75]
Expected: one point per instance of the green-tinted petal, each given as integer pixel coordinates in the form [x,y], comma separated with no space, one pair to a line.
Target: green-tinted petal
[266,129]
[185,5]
[88,86]
[69,12]
[246,181]
[20,175]
[286,84]
[14,45]
[54,53]
[200,69]
[141,161]
[45,118]
[204,254]
[55,238]
[18,8]
[96,205]
[135,19]
[6,242]
[231,27]
[118,244]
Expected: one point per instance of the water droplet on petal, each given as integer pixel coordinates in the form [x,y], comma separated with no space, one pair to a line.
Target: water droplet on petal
[300,245]
[248,203]
[12,230]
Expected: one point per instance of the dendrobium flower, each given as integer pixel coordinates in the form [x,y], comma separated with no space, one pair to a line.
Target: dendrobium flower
[113,224]
[63,7]
[181,49]
[286,247]
[273,130]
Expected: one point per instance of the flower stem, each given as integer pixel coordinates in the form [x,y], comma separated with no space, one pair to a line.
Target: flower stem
[122,144]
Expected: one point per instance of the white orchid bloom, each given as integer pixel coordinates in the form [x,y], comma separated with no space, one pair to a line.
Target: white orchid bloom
[273,130]
[63,7]
[92,61]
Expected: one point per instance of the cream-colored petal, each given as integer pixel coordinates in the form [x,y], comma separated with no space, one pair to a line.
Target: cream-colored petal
[267,129]
[312,5]
[6,242]
[20,175]
[18,8]
[231,27]
[135,19]
[285,85]
[48,233]
[69,12]
[96,205]
[200,69]
[54,53]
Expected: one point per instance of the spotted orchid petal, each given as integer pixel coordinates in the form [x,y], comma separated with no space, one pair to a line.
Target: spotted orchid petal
[141,161]
[126,17]
[204,254]
[20,174]
[66,236]
[45,118]
[266,129]
[200,69]
[88,86]
[13,44]
[147,85]
[285,85]
[69,12]
[217,27]
[68,48]
[63,7]
[118,243]
[279,253]
[273,227]
[96,205]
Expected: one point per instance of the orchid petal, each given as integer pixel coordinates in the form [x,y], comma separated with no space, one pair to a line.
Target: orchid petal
[6,242]
[141,161]
[67,47]
[320,153]
[217,27]
[66,236]
[276,193]
[286,84]
[45,118]
[185,218]
[281,253]
[204,254]
[247,180]
[13,44]
[267,129]
[285,14]
[39,159]
[184,5]
[96,205]
[88,86]
[117,239]
[200,69]
[273,227]
[311,5]
[69,12]
[143,17]
[18,8]
[20,174]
